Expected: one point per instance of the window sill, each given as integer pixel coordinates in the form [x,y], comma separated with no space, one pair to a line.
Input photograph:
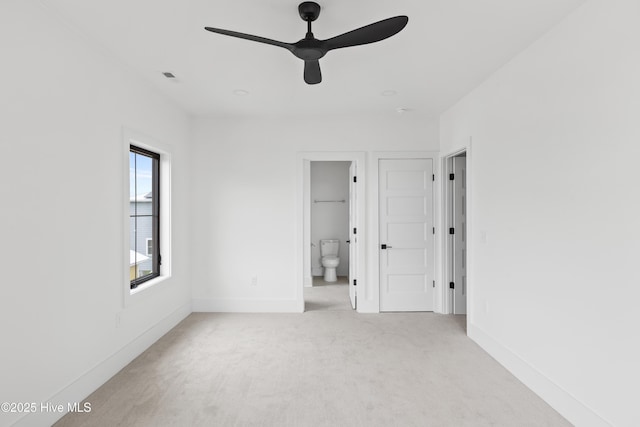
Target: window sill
[148,284]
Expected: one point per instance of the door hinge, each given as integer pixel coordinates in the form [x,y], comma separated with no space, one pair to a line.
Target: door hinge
[355,230]
[159,259]
[451,285]
[355,282]
[433,230]
[433,177]
[452,230]
[434,284]
[355,179]
[452,176]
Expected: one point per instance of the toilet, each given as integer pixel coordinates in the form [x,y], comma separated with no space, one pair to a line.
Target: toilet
[329,252]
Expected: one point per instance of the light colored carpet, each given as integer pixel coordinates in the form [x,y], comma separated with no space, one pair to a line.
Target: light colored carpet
[326,367]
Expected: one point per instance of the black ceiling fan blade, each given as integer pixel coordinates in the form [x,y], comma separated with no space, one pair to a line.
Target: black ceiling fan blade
[287,46]
[312,73]
[369,34]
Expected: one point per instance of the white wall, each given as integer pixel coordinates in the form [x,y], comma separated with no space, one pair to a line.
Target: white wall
[244,212]
[329,181]
[554,153]
[63,106]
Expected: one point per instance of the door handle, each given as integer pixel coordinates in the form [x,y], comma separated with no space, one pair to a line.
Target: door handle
[385,247]
[348,241]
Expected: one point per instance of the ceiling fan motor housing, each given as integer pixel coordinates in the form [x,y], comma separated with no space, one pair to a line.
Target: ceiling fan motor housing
[309,49]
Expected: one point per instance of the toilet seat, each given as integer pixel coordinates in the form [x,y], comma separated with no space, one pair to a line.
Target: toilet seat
[330,262]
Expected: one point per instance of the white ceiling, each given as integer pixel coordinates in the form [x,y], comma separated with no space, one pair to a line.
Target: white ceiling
[447,49]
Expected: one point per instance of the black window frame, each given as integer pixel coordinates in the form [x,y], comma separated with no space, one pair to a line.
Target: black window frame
[155,214]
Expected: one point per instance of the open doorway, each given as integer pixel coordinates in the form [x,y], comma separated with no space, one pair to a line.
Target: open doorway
[350,269]
[331,211]
[456,220]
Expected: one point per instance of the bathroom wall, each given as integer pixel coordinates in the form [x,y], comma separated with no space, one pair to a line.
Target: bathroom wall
[330,181]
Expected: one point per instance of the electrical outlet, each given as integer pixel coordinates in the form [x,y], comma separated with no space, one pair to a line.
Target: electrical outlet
[254,281]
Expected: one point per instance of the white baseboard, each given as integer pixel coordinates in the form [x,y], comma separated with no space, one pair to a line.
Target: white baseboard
[558,398]
[367,310]
[242,305]
[90,381]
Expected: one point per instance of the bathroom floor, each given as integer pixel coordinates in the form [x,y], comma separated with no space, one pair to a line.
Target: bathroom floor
[324,296]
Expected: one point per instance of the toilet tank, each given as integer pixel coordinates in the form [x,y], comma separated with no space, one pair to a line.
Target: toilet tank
[329,247]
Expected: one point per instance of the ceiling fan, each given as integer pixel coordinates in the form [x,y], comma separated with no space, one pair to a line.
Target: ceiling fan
[310,49]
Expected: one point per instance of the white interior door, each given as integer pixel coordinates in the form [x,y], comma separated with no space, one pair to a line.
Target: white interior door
[353,237]
[406,234]
[459,224]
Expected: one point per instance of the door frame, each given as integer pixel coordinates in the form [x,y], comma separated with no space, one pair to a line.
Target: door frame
[303,215]
[445,241]
[374,217]
[352,246]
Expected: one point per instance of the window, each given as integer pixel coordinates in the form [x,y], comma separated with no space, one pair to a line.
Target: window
[149,246]
[144,215]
